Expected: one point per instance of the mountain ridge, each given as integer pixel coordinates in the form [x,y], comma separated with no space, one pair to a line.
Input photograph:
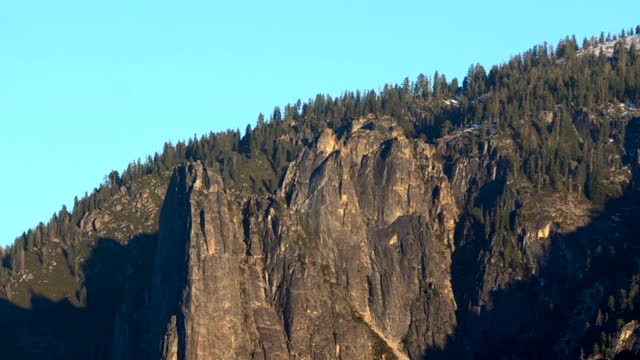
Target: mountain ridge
[430,220]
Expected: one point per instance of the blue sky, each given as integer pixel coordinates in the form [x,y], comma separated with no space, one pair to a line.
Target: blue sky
[88,86]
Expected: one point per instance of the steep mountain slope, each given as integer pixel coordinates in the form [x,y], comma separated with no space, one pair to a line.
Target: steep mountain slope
[358,256]
[492,220]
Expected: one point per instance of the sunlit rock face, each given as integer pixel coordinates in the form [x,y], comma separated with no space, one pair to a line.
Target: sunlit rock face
[351,259]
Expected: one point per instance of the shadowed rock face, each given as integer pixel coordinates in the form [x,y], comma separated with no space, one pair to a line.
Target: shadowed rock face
[350,260]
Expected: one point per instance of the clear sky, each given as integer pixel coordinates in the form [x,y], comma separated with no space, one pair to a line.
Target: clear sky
[88,86]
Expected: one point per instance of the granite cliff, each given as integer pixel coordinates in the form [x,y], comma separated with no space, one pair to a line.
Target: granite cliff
[368,250]
[497,219]
[351,259]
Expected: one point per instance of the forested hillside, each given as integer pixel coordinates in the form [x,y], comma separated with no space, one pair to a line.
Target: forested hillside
[520,184]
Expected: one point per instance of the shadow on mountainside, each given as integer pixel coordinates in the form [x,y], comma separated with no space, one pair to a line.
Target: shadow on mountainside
[116,281]
[544,315]
[59,329]
[550,314]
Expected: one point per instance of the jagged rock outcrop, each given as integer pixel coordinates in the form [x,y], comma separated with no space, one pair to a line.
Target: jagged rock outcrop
[374,246]
[628,338]
[351,260]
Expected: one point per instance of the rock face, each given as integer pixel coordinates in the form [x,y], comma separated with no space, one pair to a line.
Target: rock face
[371,246]
[374,246]
[351,260]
